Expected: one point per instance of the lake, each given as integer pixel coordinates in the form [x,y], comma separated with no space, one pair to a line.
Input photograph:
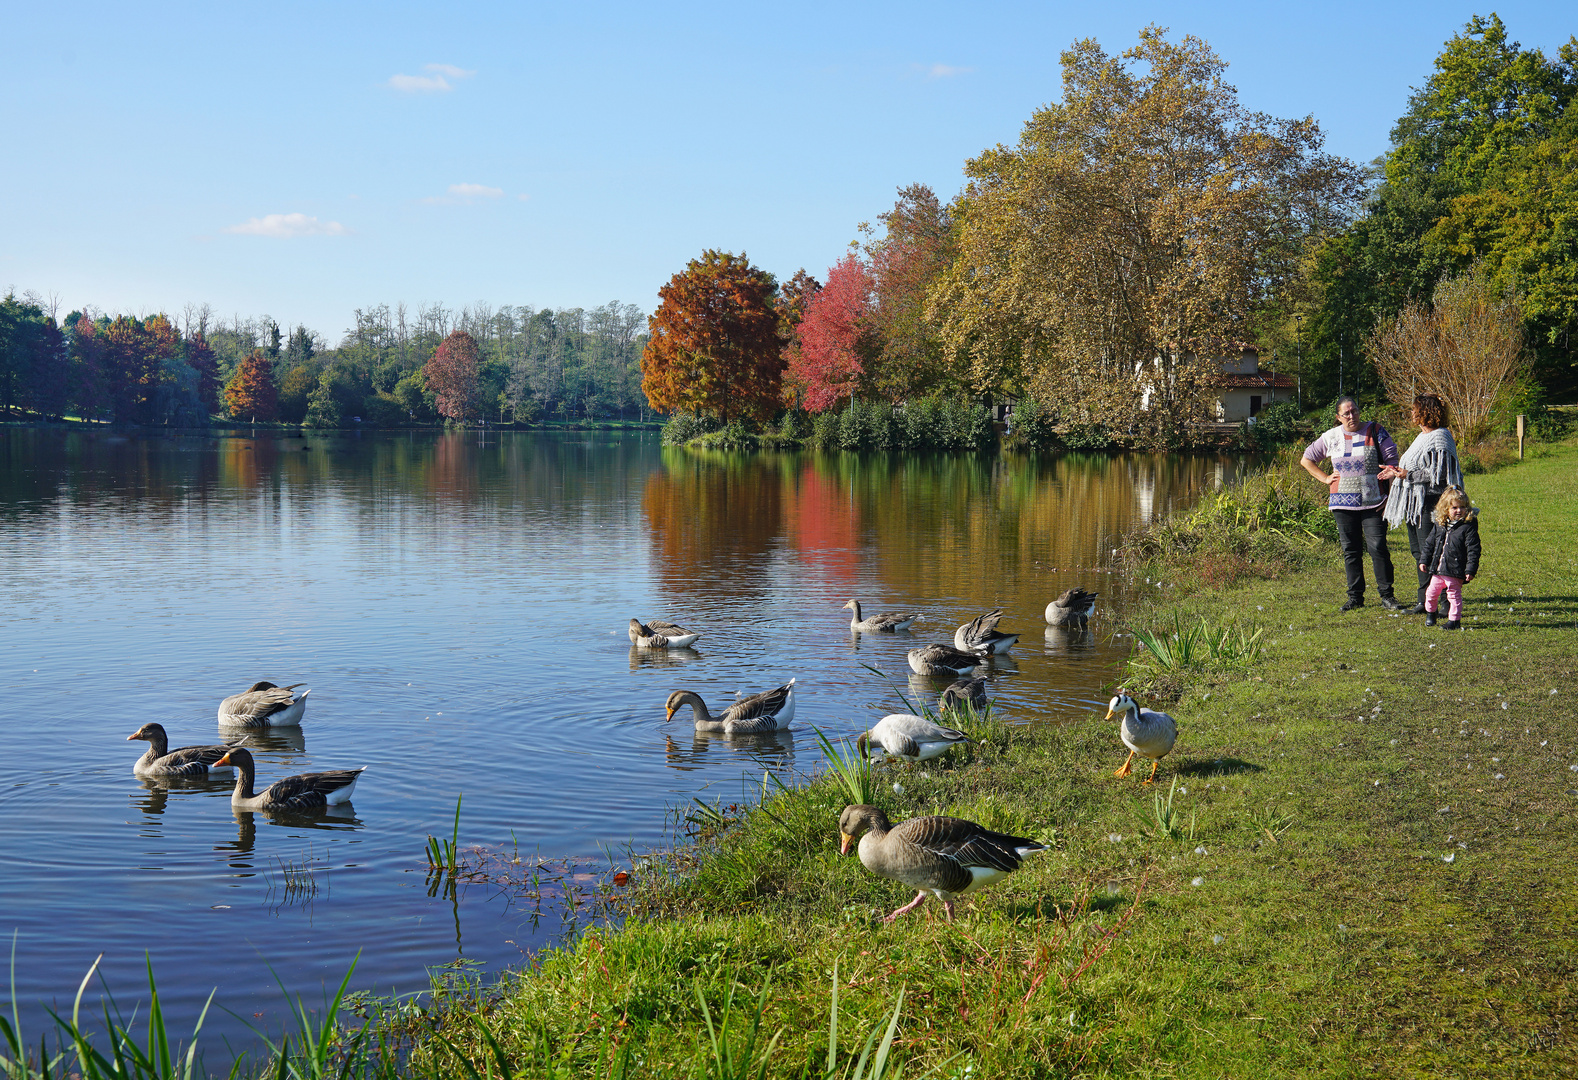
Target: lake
[458,606]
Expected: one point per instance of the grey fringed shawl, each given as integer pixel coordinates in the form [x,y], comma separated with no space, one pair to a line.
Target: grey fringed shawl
[1432,465]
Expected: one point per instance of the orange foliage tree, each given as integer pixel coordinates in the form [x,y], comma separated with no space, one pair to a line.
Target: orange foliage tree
[715,346]
[252,393]
[451,374]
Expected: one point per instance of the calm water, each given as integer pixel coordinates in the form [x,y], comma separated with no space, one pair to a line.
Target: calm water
[458,609]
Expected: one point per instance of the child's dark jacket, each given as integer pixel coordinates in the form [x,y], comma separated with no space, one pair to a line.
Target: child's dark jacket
[1454,549]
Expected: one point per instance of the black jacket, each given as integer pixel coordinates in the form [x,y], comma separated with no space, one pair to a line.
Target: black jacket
[1454,549]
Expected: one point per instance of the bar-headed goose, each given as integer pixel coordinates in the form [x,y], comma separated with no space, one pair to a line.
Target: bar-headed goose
[308,791]
[771,710]
[944,660]
[943,856]
[1073,609]
[1146,732]
[191,762]
[876,623]
[913,738]
[660,635]
[982,635]
[263,704]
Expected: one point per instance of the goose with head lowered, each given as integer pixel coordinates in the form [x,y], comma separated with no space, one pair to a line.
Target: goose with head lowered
[880,623]
[263,704]
[771,710]
[1145,732]
[943,857]
[944,660]
[981,634]
[189,762]
[963,694]
[910,737]
[309,791]
[660,635]
[1073,609]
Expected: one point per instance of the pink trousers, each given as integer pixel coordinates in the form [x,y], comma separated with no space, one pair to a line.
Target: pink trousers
[1453,587]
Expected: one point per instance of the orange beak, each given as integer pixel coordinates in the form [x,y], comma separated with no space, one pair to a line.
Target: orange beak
[668,716]
[844,840]
[222,761]
[132,736]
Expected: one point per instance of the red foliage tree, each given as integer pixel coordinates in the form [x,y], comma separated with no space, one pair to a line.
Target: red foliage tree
[451,375]
[714,345]
[252,393]
[133,354]
[836,339]
[200,355]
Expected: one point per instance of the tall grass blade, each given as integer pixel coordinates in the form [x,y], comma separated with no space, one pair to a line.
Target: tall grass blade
[853,769]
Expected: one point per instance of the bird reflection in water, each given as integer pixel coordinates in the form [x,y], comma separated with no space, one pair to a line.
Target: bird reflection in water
[154,792]
[771,749]
[276,739]
[641,659]
[332,818]
[1068,639]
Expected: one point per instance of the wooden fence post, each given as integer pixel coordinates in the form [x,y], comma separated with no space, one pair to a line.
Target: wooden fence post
[1521,420]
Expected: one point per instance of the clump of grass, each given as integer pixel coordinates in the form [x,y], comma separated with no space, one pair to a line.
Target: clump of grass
[849,767]
[298,878]
[1166,820]
[1169,653]
[443,856]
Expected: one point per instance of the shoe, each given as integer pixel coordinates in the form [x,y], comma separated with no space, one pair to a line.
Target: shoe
[1430,618]
[1417,609]
[1453,624]
[1351,604]
[1391,603]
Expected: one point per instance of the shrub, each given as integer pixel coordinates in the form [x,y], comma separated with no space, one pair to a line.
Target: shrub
[682,427]
[1032,428]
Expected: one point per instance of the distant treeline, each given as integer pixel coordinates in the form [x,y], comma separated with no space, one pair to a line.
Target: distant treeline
[184,369]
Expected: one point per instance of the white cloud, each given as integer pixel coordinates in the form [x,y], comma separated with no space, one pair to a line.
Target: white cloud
[475,191]
[944,71]
[438,82]
[285,226]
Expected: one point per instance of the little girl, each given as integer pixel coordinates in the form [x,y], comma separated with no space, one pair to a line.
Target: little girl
[1451,556]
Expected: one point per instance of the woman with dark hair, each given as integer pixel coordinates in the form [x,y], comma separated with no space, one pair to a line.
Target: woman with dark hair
[1427,468]
[1362,455]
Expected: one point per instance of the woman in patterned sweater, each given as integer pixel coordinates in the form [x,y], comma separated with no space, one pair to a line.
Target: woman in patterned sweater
[1363,457]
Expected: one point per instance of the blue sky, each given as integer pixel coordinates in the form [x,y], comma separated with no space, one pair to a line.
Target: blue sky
[304,160]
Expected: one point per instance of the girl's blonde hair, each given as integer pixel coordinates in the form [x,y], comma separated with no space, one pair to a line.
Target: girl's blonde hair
[1449,498]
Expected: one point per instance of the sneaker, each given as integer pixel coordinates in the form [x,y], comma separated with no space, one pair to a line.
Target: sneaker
[1351,604]
[1430,618]
[1391,603]
[1418,609]
[1453,624]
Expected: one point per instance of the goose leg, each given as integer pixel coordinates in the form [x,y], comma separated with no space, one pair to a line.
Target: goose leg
[1154,763]
[911,906]
[947,906]
[1125,770]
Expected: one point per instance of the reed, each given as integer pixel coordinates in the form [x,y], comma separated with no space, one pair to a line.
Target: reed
[444,855]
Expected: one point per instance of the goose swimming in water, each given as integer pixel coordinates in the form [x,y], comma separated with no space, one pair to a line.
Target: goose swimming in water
[879,623]
[263,704]
[1073,609]
[308,791]
[191,762]
[660,635]
[771,710]
[981,634]
[944,660]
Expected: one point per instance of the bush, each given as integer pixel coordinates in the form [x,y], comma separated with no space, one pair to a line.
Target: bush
[382,410]
[684,426]
[1032,428]
[1094,437]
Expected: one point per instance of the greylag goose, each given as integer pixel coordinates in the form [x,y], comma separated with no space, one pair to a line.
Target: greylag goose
[874,623]
[263,704]
[771,710]
[913,738]
[660,635]
[309,791]
[963,694]
[982,635]
[1146,732]
[944,660]
[192,762]
[943,856]
[1074,608]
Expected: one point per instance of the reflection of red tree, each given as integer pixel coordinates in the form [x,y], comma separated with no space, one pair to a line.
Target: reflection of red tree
[453,472]
[824,525]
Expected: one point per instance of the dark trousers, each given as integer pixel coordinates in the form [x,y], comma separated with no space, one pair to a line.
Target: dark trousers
[1419,540]
[1358,530]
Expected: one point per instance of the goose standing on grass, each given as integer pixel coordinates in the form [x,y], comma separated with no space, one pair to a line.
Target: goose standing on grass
[660,635]
[982,635]
[1073,609]
[190,762]
[913,738]
[877,623]
[308,791]
[944,660]
[943,856]
[963,694]
[1146,732]
[771,710]
[263,704]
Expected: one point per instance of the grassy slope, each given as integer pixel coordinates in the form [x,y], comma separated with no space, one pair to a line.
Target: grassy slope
[1311,926]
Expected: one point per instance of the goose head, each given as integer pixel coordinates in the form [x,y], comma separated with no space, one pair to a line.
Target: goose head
[680,698]
[148,733]
[855,821]
[1121,704]
[238,756]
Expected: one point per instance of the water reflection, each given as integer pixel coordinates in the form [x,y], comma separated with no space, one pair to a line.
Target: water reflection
[772,749]
[1064,640]
[338,819]
[641,659]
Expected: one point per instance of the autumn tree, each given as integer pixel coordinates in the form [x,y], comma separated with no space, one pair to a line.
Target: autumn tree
[251,393]
[836,340]
[714,345]
[451,376]
[200,356]
[1123,244]
[910,254]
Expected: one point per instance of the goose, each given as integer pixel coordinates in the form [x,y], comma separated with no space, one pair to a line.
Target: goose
[981,634]
[771,710]
[1146,732]
[308,791]
[263,704]
[876,623]
[913,738]
[1074,608]
[943,856]
[943,660]
[194,762]
[660,635]
[963,694]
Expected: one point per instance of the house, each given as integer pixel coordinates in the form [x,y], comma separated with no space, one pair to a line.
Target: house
[1244,389]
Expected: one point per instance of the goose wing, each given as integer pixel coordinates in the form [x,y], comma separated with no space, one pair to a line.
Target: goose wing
[759,712]
[311,790]
[965,843]
[902,734]
[890,621]
[259,704]
[668,629]
[978,629]
[188,761]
